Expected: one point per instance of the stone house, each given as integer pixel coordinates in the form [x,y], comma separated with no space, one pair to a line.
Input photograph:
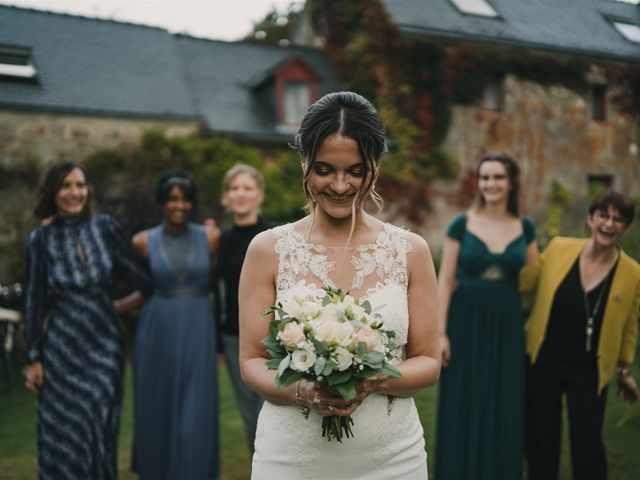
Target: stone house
[579,136]
[70,85]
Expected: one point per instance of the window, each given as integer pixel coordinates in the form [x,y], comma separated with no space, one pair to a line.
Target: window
[16,64]
[599,102]
[297,97]
[596,183]
[475,7]
[628,30]
[493,96]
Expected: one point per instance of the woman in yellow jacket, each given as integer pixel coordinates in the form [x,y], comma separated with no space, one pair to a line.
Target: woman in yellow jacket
[582,329]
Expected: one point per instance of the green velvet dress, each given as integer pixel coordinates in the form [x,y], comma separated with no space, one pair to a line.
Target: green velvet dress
[480,431]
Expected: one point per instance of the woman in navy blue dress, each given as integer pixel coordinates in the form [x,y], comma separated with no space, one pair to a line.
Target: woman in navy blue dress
[176,424]
[76,358]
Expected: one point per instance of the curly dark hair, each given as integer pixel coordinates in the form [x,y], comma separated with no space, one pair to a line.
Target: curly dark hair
[53,179]
[513,172]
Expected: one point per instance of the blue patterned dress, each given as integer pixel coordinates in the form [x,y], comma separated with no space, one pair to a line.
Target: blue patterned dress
[175,381]
[72,328]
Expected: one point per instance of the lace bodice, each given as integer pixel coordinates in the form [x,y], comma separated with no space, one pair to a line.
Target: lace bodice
[379,272]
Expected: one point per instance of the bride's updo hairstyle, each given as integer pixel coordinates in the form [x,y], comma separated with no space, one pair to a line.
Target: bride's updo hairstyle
[351,116]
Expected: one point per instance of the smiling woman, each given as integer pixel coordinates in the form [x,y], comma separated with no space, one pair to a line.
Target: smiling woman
[583,327]
[76,356]
[175,381]
[340,245]
[481,329]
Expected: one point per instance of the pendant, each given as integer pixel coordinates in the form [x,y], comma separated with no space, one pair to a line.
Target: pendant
[589,331]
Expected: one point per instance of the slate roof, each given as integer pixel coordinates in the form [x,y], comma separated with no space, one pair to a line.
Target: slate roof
[222,77]
[572,26]
[104,67]
[95,66]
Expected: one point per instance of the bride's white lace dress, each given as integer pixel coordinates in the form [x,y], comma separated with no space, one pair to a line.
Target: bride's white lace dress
[388,438]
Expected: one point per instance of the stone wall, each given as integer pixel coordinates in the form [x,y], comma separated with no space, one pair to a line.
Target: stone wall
[549,131]
[46,137]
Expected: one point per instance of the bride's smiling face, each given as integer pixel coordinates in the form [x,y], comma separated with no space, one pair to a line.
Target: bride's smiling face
[337,176]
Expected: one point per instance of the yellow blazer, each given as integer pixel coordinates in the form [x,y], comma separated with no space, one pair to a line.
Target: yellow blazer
[619,330]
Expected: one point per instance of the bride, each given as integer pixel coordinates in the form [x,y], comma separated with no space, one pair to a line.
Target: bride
[341,142]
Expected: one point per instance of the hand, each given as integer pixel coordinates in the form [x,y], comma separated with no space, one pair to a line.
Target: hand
[326,400]
[34,374]
[627,388]
[445,350]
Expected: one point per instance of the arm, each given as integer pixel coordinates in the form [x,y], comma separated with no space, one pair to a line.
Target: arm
[213,238]
[446,282]
[532,252]
[35,302]
[626,384]
[124,257]
[140,245]
[256,292]
[530,273]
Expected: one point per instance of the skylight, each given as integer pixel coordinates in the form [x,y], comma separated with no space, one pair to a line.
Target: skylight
[628,30]
[16,63]
[475,7]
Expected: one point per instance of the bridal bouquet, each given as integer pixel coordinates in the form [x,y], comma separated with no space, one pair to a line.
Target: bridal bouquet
[328,336]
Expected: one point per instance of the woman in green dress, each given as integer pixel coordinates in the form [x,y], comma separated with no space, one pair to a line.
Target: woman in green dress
[480,432]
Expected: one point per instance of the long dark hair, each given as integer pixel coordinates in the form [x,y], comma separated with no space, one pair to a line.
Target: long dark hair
[513,172]
[349,115]
[53,179]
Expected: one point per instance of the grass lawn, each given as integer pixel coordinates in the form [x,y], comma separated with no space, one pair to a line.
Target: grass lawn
[18,443]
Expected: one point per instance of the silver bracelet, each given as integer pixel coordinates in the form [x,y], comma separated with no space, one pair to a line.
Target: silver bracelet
[623,371]
[303,410]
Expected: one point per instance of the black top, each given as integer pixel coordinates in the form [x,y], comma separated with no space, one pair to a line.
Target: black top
[234,242]
[566,337]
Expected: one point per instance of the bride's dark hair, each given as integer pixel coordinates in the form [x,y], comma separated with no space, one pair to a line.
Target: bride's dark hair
[352,116]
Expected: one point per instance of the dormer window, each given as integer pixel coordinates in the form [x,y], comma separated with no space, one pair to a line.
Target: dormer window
[475,7]
[297,99]
[296,89]
[16,63]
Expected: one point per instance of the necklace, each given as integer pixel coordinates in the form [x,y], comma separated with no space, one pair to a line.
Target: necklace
[591,315]
[178,249]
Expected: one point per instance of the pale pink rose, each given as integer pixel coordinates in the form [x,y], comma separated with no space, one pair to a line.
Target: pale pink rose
[292,335]
[371,338]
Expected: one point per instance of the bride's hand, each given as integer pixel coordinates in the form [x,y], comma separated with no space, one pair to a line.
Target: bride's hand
[326,400]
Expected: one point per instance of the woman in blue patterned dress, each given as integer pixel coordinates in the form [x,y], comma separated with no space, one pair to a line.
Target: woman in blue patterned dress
[76,357]
[175,381]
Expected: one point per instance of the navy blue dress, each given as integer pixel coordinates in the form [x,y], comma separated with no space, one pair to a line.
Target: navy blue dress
[69,265]
[176,418]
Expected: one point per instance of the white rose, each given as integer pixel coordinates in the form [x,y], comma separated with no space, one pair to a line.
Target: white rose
[334,332]
[292,335]
[342,357]
[292,307]
[370,337]
[329,314]
[303,359]
[310,310]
